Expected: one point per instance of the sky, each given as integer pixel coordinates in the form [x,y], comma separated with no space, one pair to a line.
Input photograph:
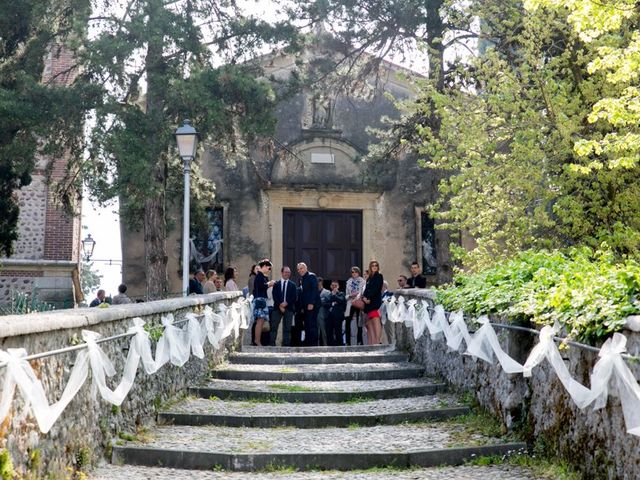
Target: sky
[103,224]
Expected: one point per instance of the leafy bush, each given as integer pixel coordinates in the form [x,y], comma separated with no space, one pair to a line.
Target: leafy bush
[589,293]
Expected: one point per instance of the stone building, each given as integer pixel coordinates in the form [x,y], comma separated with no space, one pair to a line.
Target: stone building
[46,259]
[307,196]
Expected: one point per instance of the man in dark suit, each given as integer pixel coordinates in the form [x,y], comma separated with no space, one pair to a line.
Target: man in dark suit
[311,302]
[417,280]
[195,283]
[284,306]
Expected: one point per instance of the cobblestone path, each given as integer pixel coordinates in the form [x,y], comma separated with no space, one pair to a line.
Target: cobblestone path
[330,413]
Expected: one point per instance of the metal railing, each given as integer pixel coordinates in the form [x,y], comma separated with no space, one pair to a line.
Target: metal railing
[533,331]
[73,348]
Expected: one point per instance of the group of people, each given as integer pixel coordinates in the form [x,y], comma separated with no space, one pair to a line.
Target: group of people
[120,299]
[310,308]
[212,282]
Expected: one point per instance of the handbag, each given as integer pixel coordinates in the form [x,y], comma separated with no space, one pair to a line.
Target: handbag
[358,303]
[266,326]
[260,303]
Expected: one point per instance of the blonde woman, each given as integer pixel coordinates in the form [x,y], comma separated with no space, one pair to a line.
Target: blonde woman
[210,285]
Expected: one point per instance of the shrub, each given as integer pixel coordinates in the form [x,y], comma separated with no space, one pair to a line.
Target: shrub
[589,293]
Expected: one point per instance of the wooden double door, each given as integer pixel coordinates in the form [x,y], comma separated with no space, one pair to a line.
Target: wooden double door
[328,241]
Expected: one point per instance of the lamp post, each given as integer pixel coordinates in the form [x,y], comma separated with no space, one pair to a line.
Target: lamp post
[187,139]
[88,244]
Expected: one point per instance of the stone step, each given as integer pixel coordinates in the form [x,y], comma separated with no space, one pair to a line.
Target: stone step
[317,392]
[281,358]
[250,449]
[327,373]
[200,411]
[343,349]
[466,472]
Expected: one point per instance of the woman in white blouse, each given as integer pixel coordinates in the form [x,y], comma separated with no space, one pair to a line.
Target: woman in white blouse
[354,288]
[230,279]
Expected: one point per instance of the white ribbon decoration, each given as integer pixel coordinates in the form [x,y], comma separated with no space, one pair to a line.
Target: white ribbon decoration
[175,346]
[611,370]
[458,331]
[19,373]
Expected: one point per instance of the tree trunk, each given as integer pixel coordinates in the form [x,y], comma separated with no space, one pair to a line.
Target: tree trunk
[155,222]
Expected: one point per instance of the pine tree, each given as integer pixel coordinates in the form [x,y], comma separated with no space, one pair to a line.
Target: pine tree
[156,61]
[36,117]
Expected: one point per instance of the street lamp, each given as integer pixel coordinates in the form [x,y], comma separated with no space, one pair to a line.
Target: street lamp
[187,139]
[88,244]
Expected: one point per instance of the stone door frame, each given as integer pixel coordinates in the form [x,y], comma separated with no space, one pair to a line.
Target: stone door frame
[280,200]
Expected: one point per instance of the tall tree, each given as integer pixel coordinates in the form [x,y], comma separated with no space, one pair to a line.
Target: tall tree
[507,137]
[609,28]
[503,121]
[156,60]
[36,117]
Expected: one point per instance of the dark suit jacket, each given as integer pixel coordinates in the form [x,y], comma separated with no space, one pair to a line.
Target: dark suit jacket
[310,293]
[373,291]
[195,286]
[419,281]
[292,293]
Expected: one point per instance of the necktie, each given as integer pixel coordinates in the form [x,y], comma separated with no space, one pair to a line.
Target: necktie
[284,290]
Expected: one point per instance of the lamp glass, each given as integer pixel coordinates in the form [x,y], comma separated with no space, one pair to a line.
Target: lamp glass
[187,139]
[88,244]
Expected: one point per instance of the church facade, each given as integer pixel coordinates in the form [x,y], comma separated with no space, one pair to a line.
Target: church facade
[311,198]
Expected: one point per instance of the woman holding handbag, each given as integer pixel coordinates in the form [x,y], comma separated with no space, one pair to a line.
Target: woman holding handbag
[354,287]
[372,298]
[260,309]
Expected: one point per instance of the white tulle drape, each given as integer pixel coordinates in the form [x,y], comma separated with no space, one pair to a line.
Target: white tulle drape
[175,346]
[611,374]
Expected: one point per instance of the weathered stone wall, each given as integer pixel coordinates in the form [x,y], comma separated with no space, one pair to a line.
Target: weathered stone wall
[89,425]
[595,441]
[31,221]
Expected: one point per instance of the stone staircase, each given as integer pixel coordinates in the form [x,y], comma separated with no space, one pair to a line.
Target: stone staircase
[299,413]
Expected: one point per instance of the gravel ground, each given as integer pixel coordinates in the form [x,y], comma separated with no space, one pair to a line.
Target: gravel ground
[494,472]
[378,439]
[302,368]
[343,386]
[243,408]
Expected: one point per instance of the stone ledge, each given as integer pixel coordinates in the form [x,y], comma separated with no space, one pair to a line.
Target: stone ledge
[15,325]
[37,264]
[427,293]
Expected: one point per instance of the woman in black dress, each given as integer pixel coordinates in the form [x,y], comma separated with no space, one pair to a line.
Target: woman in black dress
[372,298]
[260,309]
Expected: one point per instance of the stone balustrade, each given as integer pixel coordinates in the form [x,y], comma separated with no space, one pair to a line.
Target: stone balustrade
[88,427]
[594,441]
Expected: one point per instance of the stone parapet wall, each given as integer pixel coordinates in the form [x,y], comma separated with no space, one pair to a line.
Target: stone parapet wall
[595,441]
[87,428]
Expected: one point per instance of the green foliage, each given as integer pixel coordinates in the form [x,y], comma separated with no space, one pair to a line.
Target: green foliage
[6,465]
[36,117]
[508,127]
[285,387]
[155,65]
[610,30]
[89,280]
[154,331]
[22,303]
[589,293]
